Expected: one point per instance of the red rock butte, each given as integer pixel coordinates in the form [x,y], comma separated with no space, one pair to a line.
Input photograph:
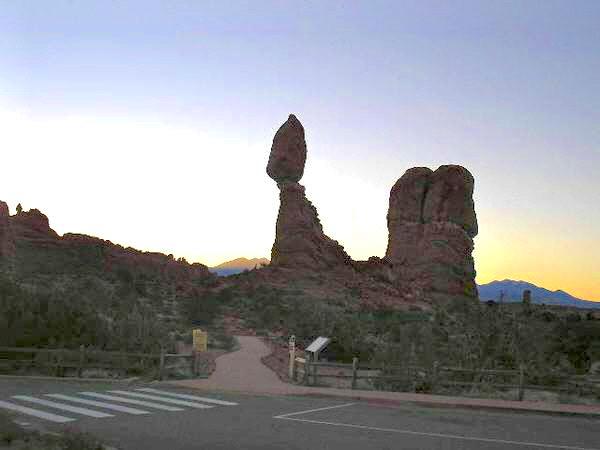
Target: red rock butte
[431,225]
[30,248]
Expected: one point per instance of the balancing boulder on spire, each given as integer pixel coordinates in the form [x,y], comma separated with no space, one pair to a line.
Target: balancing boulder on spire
[288,152]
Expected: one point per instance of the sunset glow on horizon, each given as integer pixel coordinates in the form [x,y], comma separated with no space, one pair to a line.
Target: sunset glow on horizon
[151,126]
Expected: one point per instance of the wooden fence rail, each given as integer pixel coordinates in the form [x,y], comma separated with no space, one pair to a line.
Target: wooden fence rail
[61,360]
[310,372]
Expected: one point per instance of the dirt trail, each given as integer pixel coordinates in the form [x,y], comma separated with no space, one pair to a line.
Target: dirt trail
[243,371]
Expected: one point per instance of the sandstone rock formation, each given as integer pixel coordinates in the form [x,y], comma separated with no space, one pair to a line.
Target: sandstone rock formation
[288,152]
[7,244]
[33,224]
[431,224]
[30,248]
[299,238]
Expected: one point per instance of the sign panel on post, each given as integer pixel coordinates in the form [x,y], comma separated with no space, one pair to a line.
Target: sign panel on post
[200,340]
[318,344]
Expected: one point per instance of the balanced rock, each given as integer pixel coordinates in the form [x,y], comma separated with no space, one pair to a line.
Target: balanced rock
[288,152]
[431,223]
[299,237]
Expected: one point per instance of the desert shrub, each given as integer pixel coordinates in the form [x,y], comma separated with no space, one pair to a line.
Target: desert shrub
[461,333]
[66,318]
[221,340]
[200,309]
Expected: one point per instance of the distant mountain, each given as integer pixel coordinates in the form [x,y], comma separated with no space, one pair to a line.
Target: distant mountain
[238,265]
[513,292]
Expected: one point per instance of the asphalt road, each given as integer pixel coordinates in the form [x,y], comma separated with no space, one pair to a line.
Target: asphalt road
[281,422]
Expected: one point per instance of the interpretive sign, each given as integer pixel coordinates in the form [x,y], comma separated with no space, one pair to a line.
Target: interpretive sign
[318,344]
[200,340]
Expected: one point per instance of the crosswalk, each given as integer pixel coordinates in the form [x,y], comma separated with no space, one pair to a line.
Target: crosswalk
[99,405]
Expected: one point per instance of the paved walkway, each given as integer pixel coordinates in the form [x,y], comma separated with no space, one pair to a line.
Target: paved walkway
[243,371]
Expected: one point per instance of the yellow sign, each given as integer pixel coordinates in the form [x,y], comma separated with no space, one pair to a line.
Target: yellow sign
[200,340]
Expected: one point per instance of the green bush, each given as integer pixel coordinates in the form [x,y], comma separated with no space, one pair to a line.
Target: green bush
[201,309]
[67,318]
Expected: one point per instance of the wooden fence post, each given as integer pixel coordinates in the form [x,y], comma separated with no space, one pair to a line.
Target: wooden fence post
[434,376]
[59,361]
[195,362]
[306,369]
[161,368]
[292,356]
[521,382]
[354,370]
[292,370]
[53,359]
[124,363]
[81,361]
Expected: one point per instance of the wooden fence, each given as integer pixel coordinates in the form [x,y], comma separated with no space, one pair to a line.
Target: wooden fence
[421,379]
[62,362]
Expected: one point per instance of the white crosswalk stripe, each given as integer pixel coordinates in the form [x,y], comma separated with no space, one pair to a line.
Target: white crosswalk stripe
[115,400]
[35,413]
[164,400]
[62,406]
[132,401]
[187,397]
[104,405]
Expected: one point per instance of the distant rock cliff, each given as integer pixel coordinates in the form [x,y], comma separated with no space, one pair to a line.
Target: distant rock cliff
[30,248]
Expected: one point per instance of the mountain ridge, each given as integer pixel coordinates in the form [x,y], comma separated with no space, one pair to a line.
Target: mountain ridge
[238,265]
[513,291]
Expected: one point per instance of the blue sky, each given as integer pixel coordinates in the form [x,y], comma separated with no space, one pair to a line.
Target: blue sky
[511,90]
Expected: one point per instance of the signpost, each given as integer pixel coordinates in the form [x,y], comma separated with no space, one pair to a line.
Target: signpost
[312,355]
[200,340]
[292,348]
[199,344]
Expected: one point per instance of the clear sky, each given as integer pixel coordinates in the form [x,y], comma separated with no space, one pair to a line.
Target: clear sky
[150,123]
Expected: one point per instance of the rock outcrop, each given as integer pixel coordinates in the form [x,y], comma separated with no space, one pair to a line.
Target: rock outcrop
[299,238]
[288,152]
[7,243]
[431,224]
[33,225]
[30,248]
